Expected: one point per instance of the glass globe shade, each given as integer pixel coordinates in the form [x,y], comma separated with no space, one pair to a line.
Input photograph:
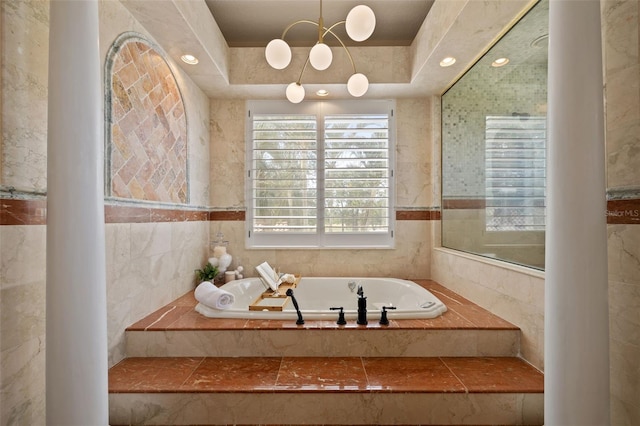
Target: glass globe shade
[295,93]
[358,85]
[278,53]
[361,21]
[320,56]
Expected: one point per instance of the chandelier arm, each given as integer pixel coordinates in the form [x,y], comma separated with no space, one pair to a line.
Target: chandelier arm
[329,31]
[293,24]
[302,72]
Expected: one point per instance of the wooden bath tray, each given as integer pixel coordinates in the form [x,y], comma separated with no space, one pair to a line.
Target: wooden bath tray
[267,301]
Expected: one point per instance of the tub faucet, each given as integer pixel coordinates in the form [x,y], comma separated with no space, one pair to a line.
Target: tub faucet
[362,307]
[300,320]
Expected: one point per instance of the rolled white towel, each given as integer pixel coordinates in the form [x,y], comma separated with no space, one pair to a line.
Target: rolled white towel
[213,297]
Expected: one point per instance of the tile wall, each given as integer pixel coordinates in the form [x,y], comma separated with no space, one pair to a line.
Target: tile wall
[621,38]
[151,252]
[138,248]
[414,199]
[517,295]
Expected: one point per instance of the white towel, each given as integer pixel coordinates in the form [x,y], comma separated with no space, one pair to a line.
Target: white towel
[213,297]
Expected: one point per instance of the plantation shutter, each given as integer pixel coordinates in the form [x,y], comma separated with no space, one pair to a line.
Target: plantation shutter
[515,159]
[284,173]
[320,174]
[357,173]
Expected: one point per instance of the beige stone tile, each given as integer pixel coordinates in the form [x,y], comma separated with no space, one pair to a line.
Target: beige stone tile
[22,254]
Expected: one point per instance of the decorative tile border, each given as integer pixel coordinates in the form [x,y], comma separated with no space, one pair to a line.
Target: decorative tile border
[230,215]
[23,212]
[622,211]
[431,214]
[463,204]
[34,212]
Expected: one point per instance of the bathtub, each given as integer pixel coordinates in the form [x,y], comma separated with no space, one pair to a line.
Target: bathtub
[316,295]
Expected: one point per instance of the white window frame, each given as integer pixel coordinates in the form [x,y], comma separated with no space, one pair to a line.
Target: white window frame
[275,240]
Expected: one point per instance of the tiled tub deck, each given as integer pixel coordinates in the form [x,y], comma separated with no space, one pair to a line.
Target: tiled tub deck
[460,368]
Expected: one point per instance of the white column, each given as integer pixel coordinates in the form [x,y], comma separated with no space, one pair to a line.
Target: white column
[576,303]
[76,349]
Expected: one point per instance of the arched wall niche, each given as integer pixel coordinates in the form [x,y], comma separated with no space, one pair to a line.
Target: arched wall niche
[146,126]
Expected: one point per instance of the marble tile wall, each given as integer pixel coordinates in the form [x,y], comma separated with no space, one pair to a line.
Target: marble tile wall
[518,296]
[621,38]
[411,256]
[24,37]
[511,292]
[148,265]
[152,262]
[151,254]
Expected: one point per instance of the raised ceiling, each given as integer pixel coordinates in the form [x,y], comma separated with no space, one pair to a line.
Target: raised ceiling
[253,23]
[401,60]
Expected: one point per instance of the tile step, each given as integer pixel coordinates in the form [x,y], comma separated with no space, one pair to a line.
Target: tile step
[325,390]
[464,330]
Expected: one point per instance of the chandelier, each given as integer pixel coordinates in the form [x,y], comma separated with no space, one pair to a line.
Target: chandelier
[359,24]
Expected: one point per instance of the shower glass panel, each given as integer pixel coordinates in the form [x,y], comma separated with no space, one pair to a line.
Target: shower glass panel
[494,147]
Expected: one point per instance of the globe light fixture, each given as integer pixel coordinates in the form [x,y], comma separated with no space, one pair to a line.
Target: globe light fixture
[358,85]
[295,93]
[278,54]
[359,24]
[320,56]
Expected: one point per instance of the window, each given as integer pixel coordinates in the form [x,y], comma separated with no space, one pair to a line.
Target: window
[515,173]
[320,174]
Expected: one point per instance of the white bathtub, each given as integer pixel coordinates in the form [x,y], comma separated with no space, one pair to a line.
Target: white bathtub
[316,295]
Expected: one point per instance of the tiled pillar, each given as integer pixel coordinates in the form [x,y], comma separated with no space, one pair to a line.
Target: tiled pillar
[76,322]
[576,303]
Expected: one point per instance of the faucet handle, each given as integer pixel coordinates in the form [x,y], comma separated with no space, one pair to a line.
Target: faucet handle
[341,320]
[383,318]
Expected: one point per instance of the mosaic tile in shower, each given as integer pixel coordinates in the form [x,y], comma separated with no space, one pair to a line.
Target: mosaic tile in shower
[148,132]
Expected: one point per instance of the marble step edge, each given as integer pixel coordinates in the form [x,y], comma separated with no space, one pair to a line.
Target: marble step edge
[382,408]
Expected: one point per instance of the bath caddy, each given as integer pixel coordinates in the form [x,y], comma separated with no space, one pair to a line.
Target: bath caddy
[268,301]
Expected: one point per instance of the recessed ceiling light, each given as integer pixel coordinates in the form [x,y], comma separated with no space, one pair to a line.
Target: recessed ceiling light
[500,62]
[322,93]
[448,61]
[189,59]
[541,41]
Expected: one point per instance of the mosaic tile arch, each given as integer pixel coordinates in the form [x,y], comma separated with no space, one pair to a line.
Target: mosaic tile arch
[146,126]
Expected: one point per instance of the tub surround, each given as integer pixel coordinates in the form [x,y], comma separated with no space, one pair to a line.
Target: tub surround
[458,368]
[464,330]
